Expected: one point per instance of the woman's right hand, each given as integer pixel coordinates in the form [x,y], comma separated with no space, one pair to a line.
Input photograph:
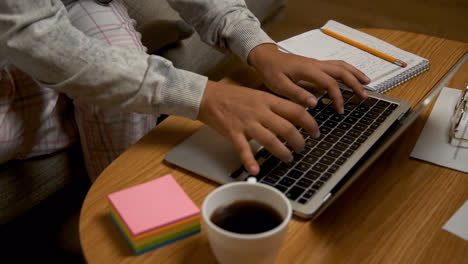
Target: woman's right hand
[240,114]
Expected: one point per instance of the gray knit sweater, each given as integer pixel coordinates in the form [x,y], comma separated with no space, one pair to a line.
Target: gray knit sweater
[37,37]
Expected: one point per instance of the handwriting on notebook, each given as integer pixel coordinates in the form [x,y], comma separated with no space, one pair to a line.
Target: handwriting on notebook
[327,48]
[384,75]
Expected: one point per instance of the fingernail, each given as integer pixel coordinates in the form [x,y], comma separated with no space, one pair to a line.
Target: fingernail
[364,93]
[289,159]
[300,149]
[311,102]
[316,134]
[253,168]
[367,79]
[341,110]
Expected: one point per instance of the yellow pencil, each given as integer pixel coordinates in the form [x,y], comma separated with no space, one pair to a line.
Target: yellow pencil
[365,48]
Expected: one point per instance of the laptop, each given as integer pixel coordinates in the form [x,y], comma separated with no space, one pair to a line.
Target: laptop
[328,165]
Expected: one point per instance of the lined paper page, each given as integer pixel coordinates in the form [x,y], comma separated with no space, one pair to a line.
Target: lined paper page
[318,45]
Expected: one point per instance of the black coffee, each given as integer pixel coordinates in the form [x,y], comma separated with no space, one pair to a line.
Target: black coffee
[246,217]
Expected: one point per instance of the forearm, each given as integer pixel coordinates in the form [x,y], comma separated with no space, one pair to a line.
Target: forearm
[37,37]
[226,24]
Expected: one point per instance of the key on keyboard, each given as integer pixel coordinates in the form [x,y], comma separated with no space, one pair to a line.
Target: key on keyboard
[341,136]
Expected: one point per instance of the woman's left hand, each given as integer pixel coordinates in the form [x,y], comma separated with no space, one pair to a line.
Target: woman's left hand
[281,72]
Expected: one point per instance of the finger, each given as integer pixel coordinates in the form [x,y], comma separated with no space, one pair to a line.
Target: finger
[351,76]
[245,154]
[325,81]
[295,114]
[349,79]
[289,89]
[362,77]
[286,130]
[268,140]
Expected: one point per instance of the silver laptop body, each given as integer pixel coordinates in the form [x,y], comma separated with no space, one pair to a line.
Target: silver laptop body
[310,183]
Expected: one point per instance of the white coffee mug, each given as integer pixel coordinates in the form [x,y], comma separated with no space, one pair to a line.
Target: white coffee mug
[229,247]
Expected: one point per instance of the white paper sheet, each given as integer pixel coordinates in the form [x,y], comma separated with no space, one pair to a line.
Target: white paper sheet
[433,144]
[316,44]
[458,223]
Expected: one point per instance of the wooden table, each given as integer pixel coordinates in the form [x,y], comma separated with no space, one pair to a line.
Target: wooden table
[393,213]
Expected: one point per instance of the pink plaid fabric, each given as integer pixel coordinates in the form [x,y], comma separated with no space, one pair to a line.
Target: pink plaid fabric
[33,120]
[36,120]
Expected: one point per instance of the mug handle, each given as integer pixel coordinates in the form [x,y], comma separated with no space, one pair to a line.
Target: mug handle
[251,179]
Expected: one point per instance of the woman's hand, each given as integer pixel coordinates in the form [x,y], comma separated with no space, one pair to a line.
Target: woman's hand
[281,72]
[240,113]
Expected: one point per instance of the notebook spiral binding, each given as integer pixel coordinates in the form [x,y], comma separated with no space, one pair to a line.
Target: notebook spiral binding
[403,77]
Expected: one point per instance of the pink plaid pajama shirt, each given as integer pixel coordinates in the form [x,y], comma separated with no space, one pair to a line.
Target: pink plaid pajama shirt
[37,120]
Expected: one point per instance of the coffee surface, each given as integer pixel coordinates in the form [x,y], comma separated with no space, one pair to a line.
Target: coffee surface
[246,217]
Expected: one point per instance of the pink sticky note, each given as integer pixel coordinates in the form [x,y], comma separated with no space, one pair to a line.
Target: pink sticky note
[152,205]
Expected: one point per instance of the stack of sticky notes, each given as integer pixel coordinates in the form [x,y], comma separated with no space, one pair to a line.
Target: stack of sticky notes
[153,214]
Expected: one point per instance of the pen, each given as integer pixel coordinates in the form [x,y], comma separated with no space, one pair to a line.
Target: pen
[365,48]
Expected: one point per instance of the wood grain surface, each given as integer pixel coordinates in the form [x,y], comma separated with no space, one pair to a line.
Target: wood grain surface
[393,213]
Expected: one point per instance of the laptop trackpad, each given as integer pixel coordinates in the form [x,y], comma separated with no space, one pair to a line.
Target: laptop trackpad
[209,154]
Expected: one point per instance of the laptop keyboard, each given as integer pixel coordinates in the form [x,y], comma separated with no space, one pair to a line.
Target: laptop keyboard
[340,137]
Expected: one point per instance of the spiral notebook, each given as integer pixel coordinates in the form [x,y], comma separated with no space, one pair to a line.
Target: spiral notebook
[384,75]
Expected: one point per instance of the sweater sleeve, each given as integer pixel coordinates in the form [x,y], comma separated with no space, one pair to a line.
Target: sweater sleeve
[227,24]
[38,38]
